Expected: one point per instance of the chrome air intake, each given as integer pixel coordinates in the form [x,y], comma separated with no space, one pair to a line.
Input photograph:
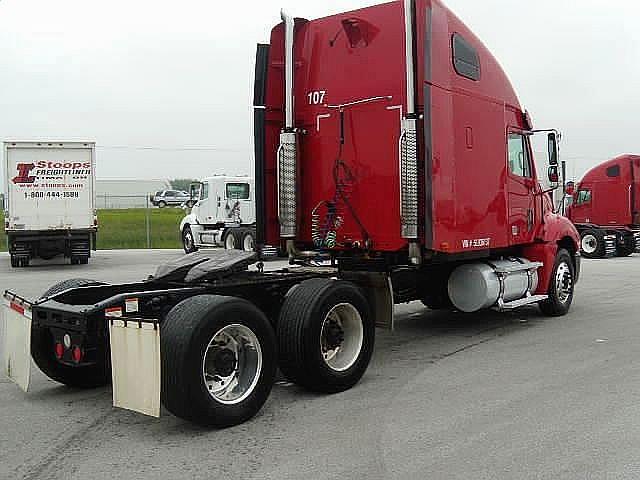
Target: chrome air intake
[288,184]
[288,150]
[409,179]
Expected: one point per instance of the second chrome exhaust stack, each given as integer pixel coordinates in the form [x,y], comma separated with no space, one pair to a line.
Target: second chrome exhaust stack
[409,144]
[287,168]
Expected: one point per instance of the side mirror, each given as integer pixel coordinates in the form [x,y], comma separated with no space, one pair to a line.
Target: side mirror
[552,173]
[553,148]
[194,191]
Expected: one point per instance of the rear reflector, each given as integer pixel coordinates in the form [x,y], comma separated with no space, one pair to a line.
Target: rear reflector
[77,354]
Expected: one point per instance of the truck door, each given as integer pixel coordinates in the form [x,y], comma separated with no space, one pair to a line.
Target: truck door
[521,189]
[206,205]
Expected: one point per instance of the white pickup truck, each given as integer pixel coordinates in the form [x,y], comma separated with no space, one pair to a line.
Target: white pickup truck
[224,214]
[50,200]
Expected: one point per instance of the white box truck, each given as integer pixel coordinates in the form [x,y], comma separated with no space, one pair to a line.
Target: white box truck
[50,200]
[224,214]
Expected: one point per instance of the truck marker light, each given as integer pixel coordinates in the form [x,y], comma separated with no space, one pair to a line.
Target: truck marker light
[59,350]
[17,308]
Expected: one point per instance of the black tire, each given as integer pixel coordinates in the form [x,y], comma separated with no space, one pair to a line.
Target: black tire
[188,242]
[557,304]
[300,328]
[43,355]
[247,235]
[15,262]
[48,254]
[592,243]
[185,336]
[627,247]
[230,240]
[162,204]
[79,260]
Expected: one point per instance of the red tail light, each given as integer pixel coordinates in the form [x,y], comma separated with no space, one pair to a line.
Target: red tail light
[59,350]
[76,354]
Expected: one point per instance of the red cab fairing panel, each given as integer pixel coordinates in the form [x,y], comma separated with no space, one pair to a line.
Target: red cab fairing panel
[462,168]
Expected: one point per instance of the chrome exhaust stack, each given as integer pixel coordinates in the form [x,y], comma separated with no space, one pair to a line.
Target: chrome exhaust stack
[409,145]
[287,169]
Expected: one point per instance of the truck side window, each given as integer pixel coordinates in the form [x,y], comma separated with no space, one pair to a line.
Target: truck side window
[204,191]
[584,196]
[613,171]
[519,163]
[238,191]
[466,61]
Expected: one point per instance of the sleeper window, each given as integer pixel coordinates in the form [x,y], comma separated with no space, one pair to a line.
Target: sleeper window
[613,171]
[466,61]
[238,191]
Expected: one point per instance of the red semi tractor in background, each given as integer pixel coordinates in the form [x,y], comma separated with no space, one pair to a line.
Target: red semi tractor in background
[606,208]
[393,163]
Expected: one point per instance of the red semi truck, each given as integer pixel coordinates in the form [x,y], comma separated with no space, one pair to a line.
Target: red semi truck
[606,208]
[393,163]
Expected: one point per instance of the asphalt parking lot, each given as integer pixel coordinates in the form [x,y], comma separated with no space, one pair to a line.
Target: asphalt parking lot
[447,396]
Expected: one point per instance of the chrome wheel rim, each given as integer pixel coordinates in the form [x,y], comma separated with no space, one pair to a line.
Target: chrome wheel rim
[230,242]
[188,240]
[341,337]
[589,243]
[564,282]
[232,364]
[248,243]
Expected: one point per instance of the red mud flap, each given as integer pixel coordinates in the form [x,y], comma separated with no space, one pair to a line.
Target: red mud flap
[16,339]
[135,364]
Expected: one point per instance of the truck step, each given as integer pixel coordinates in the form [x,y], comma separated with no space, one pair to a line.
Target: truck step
[522,302]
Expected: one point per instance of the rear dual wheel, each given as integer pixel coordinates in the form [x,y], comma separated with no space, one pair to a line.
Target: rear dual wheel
[17,262]
[592,243]
[625,245]
[43,349]
[240,239]
[325,335]
[218,358]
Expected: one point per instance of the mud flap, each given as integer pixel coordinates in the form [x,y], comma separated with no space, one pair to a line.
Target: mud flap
[16,343]
[135,365]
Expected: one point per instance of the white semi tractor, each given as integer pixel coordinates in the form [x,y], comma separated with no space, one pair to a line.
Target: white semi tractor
[49,200]
[224,214]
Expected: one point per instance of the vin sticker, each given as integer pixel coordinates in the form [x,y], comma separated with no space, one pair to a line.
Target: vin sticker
[477,243]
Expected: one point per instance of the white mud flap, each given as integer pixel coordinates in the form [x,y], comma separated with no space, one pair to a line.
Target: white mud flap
[16,342]
[135,365]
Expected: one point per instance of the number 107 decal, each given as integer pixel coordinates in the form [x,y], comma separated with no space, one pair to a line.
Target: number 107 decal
[316,97]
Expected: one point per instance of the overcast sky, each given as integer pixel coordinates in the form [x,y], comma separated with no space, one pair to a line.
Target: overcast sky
[164,87]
